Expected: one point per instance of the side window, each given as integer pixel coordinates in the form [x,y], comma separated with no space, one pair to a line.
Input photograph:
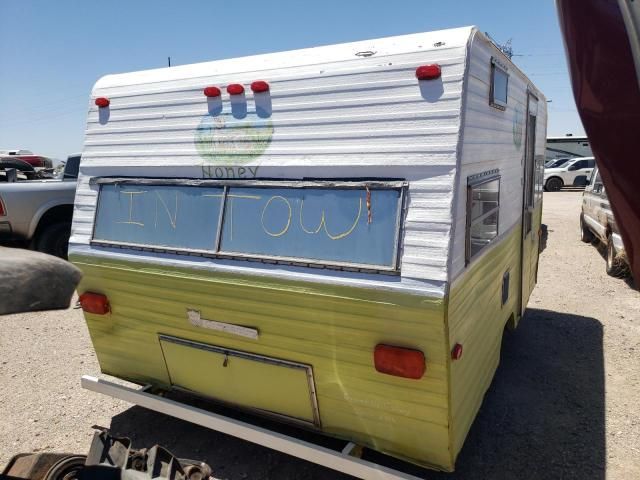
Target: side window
[498,93]
[72,167]
[483,208]
[591,163]
[579,164]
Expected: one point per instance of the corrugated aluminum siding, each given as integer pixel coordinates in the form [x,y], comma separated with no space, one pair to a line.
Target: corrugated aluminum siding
[334,115]
[488,142]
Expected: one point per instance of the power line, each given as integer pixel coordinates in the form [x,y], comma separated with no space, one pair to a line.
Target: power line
[43,118]
[538,54]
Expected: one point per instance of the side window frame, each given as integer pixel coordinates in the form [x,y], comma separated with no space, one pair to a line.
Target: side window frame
[473,182]
[493,101]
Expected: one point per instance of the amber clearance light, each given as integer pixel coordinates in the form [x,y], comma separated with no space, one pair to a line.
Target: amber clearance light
[400,362]
[95,303]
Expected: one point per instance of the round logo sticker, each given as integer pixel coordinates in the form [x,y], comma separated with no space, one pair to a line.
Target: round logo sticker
[224,139]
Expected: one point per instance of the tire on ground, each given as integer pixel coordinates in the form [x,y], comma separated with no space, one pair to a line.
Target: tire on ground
[615,266]
[585,234]
[54,239]
[554,184]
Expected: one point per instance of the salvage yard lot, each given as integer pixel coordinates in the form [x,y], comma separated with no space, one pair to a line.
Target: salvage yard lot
[565,402]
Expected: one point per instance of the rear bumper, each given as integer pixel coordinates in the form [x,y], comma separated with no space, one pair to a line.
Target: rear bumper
[339,460]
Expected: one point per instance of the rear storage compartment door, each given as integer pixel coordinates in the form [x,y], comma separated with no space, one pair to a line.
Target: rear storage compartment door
[272,385]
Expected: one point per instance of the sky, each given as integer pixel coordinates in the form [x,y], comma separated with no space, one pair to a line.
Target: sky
[52,52]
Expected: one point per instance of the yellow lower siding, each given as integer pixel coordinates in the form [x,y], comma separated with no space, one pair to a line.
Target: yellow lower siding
[332,328]
[476,319]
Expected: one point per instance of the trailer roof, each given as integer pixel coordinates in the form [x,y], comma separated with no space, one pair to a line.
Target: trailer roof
[568,138]
[454,37]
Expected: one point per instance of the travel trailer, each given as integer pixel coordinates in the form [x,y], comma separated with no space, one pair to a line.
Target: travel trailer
[333,237]
[567,147]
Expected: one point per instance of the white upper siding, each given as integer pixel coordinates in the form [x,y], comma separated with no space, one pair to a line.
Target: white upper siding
[335,114]
[488,142]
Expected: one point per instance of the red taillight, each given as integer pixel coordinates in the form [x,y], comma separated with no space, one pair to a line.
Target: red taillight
[211,92]
[3,212]
[428,72]
[259,86]
[102,102]
[235,89]
[456,352]
[398,361]
[95,303]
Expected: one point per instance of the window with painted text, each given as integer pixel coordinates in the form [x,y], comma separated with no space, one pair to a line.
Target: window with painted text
[325,224]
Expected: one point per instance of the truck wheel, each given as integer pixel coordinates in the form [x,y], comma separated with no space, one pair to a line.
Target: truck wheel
[54,239]
[614,267]
[554,184]
[585,234]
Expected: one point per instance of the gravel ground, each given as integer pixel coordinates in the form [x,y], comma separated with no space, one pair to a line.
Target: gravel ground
[564,402]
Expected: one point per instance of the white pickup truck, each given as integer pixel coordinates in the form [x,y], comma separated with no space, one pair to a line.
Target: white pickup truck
[37,213]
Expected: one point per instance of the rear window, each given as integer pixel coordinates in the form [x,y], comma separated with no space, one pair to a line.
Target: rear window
[72,167]
[326,224]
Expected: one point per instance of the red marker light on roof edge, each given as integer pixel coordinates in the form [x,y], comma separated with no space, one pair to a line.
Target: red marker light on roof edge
[235,89]
[102,102]
[259,86]
[212,92]
[428,72]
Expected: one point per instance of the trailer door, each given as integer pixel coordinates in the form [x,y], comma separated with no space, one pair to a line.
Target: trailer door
[529,238]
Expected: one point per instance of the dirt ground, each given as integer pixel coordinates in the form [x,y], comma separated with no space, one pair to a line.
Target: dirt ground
[564,404]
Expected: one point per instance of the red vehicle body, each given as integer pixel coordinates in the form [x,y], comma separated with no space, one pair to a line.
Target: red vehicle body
[600,50]
[36,161]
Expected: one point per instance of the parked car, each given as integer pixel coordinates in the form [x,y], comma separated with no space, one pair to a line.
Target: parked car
[557,162]
[575,173]
[597,222]
[38,212]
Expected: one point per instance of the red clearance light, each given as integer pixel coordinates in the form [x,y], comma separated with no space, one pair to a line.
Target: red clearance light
[259,86]
[102,102]
[428,72]
[456,352]
[235,89]
[95,303]
[212,92]
[398,361]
